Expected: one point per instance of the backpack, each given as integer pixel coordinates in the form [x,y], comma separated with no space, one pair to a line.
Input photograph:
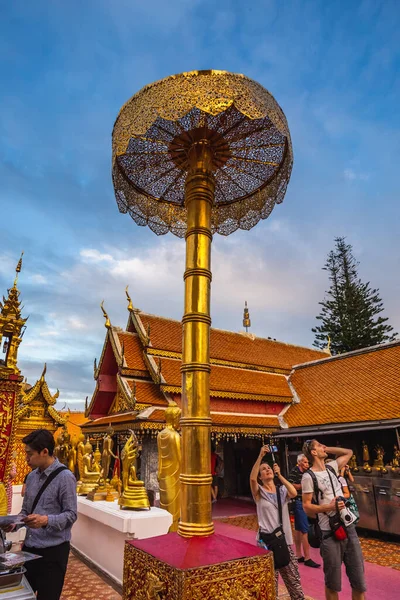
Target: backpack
[314,530]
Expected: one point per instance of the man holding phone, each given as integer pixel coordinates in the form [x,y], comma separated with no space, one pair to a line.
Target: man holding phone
[49,510]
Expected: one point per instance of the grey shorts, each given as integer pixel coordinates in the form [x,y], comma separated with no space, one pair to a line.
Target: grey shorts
[349,552]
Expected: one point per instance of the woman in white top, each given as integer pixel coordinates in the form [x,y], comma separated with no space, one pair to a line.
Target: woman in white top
[264,493]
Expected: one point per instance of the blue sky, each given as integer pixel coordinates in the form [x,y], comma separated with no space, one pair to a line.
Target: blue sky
[66,69]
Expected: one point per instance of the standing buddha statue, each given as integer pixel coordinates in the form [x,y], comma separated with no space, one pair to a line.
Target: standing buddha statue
[107,453]
[80,451]
[169,464]
[72,456]
[366,466]
[134,494]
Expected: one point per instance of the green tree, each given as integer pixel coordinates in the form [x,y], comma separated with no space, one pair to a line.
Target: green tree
[350,315]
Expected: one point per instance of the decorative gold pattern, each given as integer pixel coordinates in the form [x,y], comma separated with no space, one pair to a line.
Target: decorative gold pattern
[237,396]
[245,128]
[245,579]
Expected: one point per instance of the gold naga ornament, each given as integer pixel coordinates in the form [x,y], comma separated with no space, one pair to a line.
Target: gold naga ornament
[169,464]
[199,153]
[134,495]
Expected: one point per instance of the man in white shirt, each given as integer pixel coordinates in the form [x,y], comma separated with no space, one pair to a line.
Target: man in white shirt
[333,552]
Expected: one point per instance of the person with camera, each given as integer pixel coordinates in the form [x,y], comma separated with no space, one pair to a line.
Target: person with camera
[275,532]
[323,500]
[300,518]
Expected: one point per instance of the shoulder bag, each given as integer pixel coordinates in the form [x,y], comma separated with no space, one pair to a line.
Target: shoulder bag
[276,541]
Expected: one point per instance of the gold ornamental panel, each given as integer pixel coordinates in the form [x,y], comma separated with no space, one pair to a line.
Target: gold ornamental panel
[243,127]
[146,577]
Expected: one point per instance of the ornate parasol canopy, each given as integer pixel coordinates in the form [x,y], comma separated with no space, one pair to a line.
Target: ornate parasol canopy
[242,123]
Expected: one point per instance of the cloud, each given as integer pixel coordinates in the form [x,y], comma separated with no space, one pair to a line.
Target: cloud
[351,175]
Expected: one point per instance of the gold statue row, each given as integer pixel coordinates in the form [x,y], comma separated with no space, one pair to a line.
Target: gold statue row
[92,468]
[378,464]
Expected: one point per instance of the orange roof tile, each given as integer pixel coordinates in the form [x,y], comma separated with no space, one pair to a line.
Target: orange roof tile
[358,386]
[166,334]
[133,350]
[235,380]
[74,423]
[148,393]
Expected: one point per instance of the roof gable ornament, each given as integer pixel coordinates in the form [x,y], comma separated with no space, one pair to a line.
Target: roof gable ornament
[130,305]
[122,359]
[107,324]
[147,340]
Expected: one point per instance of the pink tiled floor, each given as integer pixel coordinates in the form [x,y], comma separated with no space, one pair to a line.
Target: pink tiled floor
[383,582]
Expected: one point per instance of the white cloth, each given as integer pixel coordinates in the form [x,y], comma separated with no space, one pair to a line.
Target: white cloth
[327,493]
[268,514]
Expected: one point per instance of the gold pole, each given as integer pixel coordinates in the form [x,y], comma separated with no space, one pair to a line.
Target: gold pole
[196,422]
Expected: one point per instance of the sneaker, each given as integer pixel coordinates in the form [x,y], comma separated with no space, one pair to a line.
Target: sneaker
[311,563]
[300,559]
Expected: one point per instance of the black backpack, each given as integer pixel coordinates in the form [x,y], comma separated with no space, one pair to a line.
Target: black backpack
[314,530]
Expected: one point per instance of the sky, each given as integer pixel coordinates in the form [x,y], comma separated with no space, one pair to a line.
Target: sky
[66,70]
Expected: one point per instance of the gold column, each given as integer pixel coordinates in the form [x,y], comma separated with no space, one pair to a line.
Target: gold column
[196,422]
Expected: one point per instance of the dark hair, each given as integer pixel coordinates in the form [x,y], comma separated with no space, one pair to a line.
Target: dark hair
[307,447]
[39,440]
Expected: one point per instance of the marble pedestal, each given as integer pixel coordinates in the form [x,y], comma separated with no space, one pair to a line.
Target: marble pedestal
[102,529]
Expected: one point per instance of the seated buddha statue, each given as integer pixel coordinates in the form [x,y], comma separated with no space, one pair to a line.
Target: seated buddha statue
[134,495]
[91,475]
[169,464]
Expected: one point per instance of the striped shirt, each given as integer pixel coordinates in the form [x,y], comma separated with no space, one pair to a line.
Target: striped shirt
[58,502]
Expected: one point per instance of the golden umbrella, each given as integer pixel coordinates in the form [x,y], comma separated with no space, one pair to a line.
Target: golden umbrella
[195,154]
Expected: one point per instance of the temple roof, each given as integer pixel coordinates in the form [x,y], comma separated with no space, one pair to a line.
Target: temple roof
[232,382]
[228,346]
[363,385]
[40,390]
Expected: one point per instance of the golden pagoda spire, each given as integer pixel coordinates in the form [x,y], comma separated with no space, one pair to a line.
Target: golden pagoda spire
[130,305]
[107,324]
[246,317]
[11,327]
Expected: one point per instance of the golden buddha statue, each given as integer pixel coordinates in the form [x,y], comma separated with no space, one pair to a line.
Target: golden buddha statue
[396,458]
[353,464]
[91,472]
[134,494]
[72,456]
[366,466]
[57,448]
[80,451]
[169,464]
[96,464]
[107,453]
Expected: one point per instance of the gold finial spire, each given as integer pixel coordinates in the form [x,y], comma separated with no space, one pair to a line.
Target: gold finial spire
[130,305]
[107,324]
[18,269]
[246,317]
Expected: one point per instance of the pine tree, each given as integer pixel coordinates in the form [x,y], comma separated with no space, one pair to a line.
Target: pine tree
[350,311]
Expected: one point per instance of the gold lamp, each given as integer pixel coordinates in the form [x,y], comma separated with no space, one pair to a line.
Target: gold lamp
[199,153]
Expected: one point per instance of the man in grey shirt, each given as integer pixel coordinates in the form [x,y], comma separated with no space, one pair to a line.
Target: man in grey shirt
[49,523]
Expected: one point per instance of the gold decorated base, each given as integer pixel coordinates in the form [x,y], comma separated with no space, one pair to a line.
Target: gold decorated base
[145,576]
[96,495]
[135,497]
[84,488]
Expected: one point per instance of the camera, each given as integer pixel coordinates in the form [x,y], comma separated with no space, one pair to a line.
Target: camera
[346,515]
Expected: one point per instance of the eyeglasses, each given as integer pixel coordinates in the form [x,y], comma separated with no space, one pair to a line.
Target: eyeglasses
[308,443]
